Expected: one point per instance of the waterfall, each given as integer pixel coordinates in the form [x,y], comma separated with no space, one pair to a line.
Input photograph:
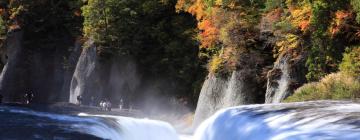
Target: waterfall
[123,80]
[28,69]
[8,85]
[100,126]
[290,121]
[84,73]
[308,120]
[282,91]
[220,92]
[141,129]
[278,88]
[71,65]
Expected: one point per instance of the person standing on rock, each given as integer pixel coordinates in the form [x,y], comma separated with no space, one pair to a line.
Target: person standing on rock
[121,104]
[102,104]
[29,97]
[108,105]
[79,99]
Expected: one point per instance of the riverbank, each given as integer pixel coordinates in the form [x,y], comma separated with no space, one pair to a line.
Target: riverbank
[181,122]
[73,109]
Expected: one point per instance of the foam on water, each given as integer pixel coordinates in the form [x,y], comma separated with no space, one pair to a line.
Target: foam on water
[109,127]
[297,121]
[93,126]
[141,129]
[325,120]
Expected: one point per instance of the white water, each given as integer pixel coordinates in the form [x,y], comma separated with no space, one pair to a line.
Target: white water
[282,90]
[219,92]
[325,120]
[109,127]
[275,94]
[141,129]
[230,96]
[83,72]
[298,121]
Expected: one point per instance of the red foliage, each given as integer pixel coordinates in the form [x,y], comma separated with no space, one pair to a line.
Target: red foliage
[304,25]
[340,21]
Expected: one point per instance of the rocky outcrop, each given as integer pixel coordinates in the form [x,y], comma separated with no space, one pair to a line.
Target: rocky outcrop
[286,76]
[84,78]
[95,79]
[11,74]
[288,71]
[38,66]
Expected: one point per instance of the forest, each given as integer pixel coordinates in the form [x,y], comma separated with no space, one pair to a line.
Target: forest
[180,69]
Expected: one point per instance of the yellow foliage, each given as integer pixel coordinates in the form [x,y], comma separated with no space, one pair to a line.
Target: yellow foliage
[215,64]
[300,16]
[195,7]
[290,41]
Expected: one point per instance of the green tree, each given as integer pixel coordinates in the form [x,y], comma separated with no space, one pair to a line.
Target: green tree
[150,30]
[351,62]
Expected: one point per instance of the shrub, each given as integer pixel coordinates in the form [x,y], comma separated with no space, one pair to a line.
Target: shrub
[2,27]
[337,86]
[356,7]
[273,4]
[351,62]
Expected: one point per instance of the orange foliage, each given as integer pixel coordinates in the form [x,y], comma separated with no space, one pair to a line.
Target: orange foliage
[342,14]
[304,25]
[209,33]
[196,8]
[180,5]
[339,22]
[300,16]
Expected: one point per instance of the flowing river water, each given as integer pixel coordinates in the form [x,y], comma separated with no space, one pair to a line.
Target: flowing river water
[326,120]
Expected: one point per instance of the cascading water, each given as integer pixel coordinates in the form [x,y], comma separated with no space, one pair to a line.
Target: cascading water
[295,121]
[210,98]
[219,92]
[330,120]
[275,94]
[84,73]
[41,125]
[140,129]
[8,75]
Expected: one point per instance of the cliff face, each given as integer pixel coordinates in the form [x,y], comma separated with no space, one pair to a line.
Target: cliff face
[96,80]
[37,68]
[10,75]
[119,77]
[84,77]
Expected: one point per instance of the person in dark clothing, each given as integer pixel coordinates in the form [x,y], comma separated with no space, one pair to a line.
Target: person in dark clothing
[29,97]
[79,99]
